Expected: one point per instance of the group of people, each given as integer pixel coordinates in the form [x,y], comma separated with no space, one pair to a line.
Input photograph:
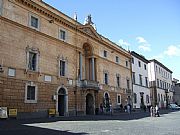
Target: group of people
[154,111]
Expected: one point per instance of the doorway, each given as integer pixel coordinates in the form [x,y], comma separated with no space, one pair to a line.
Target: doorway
[61,101]
[89,104]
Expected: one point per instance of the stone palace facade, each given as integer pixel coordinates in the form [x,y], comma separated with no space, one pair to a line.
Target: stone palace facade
[49,60]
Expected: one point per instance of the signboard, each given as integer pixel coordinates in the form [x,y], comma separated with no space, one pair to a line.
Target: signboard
[52,111]
[12,112]
[3,112]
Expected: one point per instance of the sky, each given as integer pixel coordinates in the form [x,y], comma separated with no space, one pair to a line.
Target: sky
[148,27]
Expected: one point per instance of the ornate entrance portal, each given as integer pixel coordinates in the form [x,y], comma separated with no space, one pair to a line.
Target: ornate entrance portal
[89,104]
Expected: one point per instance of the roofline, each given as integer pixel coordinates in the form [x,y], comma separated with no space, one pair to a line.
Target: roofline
[75,23]
[60,12]
[133,53]
[154,60]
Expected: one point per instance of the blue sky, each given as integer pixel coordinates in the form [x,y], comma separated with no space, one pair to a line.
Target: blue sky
[149,27]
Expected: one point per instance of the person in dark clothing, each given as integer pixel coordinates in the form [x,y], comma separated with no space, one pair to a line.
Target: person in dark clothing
[121,107]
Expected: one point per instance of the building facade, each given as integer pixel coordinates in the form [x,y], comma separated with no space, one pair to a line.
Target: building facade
[49,60]
[141,91]
[160,78]
[176,94]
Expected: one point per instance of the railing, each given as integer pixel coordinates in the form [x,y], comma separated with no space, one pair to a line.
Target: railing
[89,84]
[128,91]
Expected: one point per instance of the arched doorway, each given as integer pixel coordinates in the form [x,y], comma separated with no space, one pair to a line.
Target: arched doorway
[62,101]
[106,102]
[89,104]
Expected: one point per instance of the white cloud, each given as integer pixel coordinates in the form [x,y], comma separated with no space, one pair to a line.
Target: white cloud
[145,47]
[122,42]
[159,56]
[173,50]
[143,44]
[141,40]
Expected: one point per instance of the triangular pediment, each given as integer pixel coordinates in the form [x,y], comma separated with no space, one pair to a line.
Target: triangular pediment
[89,30]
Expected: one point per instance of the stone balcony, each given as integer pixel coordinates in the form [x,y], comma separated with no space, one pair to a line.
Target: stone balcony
[88,84]
[128,91]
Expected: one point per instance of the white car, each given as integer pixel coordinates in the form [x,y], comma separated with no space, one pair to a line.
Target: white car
[174,107]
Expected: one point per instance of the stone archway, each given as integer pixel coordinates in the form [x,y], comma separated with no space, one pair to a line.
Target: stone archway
[89,104]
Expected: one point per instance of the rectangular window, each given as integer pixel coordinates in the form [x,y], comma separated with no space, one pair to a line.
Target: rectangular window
[145,66]
[147,99]
[119,99]
[30,92]
[34,22]
[62,68]
[117,59]
[32,65]
[126,63]
[132,60]
[133,78]
[135,98]
[11,72]
[139,63]
[105,78]
[146,80]
[118,80]
[105,53]
[62,35]
[140,80]
[128,85]
[158,83]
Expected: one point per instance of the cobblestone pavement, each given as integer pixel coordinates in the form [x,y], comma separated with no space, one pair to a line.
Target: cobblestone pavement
[133,124]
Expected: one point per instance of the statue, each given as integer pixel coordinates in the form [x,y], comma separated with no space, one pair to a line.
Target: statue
[88,20]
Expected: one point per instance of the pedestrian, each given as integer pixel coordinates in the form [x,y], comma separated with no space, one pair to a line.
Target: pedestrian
[128,109]
[125,108]
[110,109]
[149,107]
[157,111]
[101,108]
[121,107]
[144,107]
[151,111]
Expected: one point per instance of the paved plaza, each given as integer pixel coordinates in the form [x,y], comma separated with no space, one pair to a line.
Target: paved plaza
[124,124]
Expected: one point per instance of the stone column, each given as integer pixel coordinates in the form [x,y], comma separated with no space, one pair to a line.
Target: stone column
[80,65]
[93,73]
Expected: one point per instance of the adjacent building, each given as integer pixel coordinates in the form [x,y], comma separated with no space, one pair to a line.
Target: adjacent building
[141,91]
[49,60]
[176,88]
[160,78]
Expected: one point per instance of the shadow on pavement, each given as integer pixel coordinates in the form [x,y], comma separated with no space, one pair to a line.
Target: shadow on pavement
[17,128]
[13,126]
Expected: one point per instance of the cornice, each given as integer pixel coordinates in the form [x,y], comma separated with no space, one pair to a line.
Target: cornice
[38,32]
[38,8]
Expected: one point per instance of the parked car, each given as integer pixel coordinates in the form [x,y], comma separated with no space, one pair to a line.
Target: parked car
[174,107]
